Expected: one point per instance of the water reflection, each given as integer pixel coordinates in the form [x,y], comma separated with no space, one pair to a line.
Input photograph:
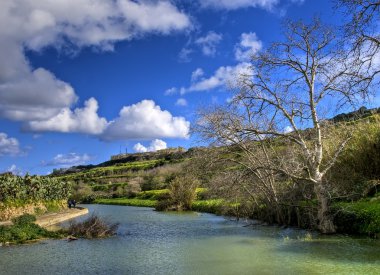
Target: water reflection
[150,242]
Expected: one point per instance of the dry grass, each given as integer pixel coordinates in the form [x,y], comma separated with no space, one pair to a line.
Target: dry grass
[92,227]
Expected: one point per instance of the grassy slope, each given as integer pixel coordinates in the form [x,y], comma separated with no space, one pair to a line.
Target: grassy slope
[357,165]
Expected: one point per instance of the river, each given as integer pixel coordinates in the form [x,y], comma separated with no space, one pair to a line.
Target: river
[150,242]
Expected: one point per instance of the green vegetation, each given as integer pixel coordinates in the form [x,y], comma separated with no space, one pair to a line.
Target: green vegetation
[214,206]
[362,217]
[24,229]
[228,188]
[181,193]
[127,202]
[32,188]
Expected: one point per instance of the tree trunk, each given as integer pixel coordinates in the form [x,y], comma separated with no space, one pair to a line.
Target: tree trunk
[325,221]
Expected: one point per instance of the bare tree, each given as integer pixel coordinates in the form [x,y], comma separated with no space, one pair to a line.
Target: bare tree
[362,31]
[277,115]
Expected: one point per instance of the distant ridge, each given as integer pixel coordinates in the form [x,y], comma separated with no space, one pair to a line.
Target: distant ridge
[362,112]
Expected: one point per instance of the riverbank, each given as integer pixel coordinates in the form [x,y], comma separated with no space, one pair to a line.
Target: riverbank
[355,218]
[51,219]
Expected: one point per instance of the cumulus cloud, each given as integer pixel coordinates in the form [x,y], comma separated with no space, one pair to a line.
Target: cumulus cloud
[288,129]
[15,170]
[209,43]
[184,55]
[181,102]
[35,94]
[67,160]
[81,120]
[248,46]
[154,146]
[237,4]
[225,76]
[146,120]
[198,73]
[9,146]
[171,91]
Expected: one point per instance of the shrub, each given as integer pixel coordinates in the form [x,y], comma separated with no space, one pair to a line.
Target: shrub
[92,227]
[24,230]
[24,220]
[361,217]
[34,188]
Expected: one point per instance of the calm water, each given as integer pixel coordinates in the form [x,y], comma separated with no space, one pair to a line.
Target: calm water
[150,242]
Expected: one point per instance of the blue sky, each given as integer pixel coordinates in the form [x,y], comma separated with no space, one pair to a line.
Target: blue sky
[82,80]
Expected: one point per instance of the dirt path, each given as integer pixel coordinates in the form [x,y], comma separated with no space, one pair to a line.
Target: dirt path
[51,219]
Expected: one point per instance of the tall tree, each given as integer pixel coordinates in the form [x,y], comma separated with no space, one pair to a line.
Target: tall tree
[362,31]
[277,114]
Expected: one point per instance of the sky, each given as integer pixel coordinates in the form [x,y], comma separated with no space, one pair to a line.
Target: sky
[81,80]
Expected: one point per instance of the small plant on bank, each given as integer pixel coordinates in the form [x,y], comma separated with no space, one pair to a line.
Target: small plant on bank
[24,229]
[92,227]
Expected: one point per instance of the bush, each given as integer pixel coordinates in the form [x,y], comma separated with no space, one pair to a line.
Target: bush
[182,193]
[35,188]
[361,217]
[24,230]
[92,227]
[24,220]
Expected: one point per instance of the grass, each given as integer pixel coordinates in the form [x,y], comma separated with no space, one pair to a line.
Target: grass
[23,230]
[208,206]
[362,217]
[127,202]
[151,198]
[153,194]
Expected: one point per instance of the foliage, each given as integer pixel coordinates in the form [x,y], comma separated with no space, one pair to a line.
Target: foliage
[92,227]
[214,206]
[154,194]
[24,230]
[362,217]
[35,188]
[127,202]
[182,191]
[24,219]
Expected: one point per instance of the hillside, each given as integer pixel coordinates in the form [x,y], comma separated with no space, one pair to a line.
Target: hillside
[124,176]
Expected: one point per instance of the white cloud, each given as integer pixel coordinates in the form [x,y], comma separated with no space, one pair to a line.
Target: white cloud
[248,46]
[67,160]
[198,73]
[146,120]
[139,148]
[184,55]
[171,91]
[29,94]
[181,102]
[9,146]
[159,16]
[209,43]
[154,146]
[288,129]
[237,4]
[81,120]
[15,170]
[226,76]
